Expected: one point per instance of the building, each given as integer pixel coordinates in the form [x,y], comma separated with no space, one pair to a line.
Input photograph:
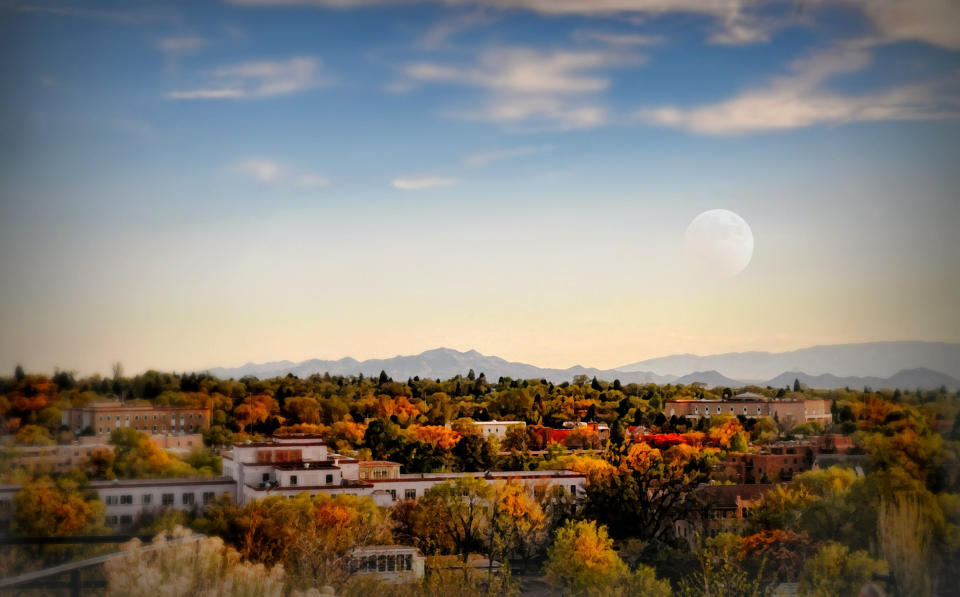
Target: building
[61,459]
[389,563]
[780,461]
[126,500]
[290,465]
[101,418]
[791,412]
[496,428]
[724,509]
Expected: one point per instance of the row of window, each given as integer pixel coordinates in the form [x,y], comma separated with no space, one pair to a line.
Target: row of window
[167,499]
[706,410]
[382,563]
[173,418]
[100,430]
[294,480]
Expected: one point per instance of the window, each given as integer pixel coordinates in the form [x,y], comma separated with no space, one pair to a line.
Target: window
[111,500]
[147,499]
[167,499]
[393,494]
[329,479]
[208,496]
[410,494]
[111,521]
[382,563]
[573,490]
[187,499]
[126,499]
[293,479]
[391,563]
[126,519]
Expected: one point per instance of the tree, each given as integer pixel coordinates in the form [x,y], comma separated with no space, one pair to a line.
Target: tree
[796,385]
[518,526]
[34,435]
[835,570]
[462,509]
[582,558]
[65,507]
[474,453]
[905,532]
[187,565]
[721,572]
[651,490]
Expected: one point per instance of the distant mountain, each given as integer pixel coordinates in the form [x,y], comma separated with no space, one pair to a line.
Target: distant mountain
[445,363]
[710,378]
[906,379]
[442,363]
[873,359]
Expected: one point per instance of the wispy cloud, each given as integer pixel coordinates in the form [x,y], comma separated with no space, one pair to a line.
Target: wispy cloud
[616,39]
[423,182]
[498,155]
[734,22]
[931,21]
[447,27]
[180,45]
[800,99]
[262,170]
[269,171]
[522,84]
[127,17]
[258,80]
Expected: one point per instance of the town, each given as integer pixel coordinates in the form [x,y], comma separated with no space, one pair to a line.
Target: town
[645,473]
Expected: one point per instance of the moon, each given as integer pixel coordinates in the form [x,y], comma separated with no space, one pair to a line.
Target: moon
[719,243]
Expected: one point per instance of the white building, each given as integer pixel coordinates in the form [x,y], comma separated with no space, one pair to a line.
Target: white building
[496,428]
[288,466]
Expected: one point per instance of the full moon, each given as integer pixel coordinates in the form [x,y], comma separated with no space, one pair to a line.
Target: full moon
[719,243]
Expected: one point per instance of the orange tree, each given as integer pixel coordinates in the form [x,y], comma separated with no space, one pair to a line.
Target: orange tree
[650,490]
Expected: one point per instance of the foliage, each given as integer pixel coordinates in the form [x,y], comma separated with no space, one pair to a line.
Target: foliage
[189,565]
[835,570]
[582,558]
[63,507]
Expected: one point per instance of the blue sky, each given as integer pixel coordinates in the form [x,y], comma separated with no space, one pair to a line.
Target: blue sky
[185,185]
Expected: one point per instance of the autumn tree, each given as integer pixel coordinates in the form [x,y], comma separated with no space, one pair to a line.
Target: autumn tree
[582,557]
[835,570]
[651,490]
[462,509]
[63,507]
[186,564]
[518,524]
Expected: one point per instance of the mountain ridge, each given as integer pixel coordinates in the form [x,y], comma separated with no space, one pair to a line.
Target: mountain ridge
[445,363]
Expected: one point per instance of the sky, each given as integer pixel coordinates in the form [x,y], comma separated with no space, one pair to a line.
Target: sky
[199,184]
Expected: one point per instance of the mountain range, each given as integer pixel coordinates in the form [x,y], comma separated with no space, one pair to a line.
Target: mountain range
[906,365]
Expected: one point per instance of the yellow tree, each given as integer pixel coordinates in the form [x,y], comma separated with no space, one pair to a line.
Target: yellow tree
[582,557]
[518,523]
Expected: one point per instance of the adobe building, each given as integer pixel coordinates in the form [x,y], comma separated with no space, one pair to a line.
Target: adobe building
[791,412]
[101,418]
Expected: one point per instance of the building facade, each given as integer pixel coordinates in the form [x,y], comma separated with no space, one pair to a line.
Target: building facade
[497,429]
[791,412]
[61,459]
[101,418]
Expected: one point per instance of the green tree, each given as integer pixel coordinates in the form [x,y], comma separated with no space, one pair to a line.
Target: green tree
[835,570]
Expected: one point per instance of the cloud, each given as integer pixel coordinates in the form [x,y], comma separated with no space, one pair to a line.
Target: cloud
[424,182]
[522,84]
[258,79]
[736,25]
[263,170]
[447,27]
[931,21]
[736,21]
[180,45]
[125,17]
[268,171]
[800,99]
[616,39]
[488,157]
